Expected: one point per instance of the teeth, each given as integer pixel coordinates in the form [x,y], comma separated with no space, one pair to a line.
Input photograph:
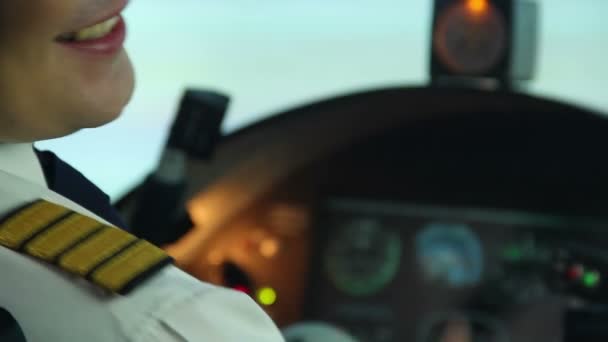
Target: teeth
[96,31]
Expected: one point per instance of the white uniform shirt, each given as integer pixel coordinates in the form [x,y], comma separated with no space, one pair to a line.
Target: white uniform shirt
[51,305]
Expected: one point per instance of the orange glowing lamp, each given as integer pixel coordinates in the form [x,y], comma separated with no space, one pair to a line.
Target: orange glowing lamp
[477,7]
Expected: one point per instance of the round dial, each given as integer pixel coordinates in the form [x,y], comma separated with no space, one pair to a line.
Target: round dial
[450,254]
[362,257]
[470,40]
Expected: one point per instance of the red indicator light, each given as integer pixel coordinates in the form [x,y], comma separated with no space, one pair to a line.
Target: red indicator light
[242,288]
[575,272]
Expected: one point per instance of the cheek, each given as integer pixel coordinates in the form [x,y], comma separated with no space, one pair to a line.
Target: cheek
[27,43]
[98,95]
[33,18]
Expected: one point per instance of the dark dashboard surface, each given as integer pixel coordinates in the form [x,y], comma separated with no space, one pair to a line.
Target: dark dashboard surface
[526,160]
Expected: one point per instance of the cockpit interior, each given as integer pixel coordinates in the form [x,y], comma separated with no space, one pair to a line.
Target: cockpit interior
[467,209]
[396,214]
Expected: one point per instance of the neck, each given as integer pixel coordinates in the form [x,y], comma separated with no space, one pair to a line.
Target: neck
[21,160]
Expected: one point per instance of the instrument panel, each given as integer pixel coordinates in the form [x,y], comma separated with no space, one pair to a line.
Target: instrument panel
[397,272]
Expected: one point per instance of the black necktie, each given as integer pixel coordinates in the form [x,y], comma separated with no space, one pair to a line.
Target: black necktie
[10,331]
[68,182]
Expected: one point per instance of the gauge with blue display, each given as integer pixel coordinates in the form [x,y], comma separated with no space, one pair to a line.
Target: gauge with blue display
[449,254]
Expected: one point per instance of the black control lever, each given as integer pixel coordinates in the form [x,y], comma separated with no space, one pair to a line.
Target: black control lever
[160,215]
[197,126]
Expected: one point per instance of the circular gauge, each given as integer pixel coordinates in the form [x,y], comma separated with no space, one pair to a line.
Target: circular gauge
[470,37]
[450,254]
[362,257]
[462,327]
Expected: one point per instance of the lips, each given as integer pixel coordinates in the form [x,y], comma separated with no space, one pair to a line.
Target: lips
[105,37]
[92,32]
[107,44]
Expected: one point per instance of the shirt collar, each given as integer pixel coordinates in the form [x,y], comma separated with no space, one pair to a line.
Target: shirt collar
[21,160]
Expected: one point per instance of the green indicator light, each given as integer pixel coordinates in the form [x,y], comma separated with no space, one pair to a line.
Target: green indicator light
[512,253]
[267,296]
[591,279]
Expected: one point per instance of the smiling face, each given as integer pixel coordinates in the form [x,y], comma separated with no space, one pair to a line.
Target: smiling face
[57,76]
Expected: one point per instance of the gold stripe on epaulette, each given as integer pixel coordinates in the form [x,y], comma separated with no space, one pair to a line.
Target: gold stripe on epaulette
[108,256]
[29,221]
[124,268]
[83,258]
[58,238]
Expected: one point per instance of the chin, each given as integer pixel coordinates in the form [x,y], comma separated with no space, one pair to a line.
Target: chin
[99,115]
[106,109]
[101,119]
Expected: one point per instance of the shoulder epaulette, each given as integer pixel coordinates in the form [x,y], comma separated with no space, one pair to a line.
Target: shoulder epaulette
[107,256]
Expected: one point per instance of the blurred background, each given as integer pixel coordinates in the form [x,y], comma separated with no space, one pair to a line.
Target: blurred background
[271,55]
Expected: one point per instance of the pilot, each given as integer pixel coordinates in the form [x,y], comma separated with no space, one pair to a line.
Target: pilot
[67,272]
